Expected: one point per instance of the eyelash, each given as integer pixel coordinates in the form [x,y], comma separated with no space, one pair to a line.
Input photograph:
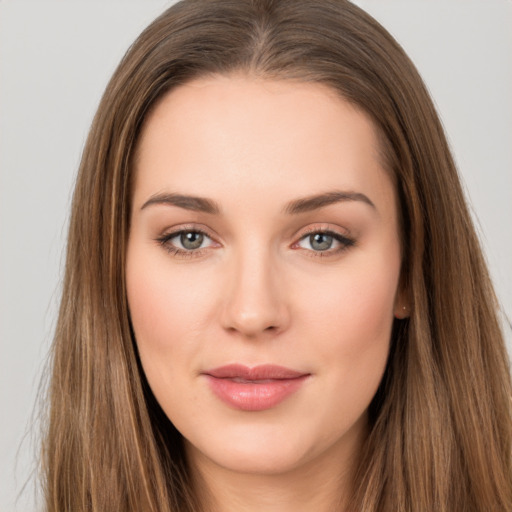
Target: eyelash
[345,243]
[164,241]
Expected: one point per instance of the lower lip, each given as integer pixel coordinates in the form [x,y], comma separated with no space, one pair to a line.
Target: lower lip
[254,396]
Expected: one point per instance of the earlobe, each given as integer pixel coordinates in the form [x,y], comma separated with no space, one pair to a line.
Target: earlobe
[401,312]
[402,303]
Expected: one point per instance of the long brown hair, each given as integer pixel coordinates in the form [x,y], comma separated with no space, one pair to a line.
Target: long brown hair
[441,422]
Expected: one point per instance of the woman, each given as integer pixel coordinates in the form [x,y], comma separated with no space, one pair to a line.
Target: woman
[274,297]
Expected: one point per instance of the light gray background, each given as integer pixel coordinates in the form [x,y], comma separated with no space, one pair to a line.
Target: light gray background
[55,60]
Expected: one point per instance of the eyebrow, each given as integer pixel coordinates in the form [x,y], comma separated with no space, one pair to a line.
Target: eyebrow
[297,206]
[307,204]
[197,204]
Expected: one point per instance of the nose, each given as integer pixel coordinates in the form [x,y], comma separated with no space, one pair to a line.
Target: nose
[255,302]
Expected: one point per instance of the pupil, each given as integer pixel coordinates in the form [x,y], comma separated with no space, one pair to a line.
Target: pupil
[191,240]
[320,241]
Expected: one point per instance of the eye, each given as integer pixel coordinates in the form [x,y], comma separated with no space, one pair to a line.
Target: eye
[325,242]
[318,241]
[189,240]
[186,242]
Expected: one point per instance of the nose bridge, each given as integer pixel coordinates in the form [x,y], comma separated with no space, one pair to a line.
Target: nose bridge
[255,300]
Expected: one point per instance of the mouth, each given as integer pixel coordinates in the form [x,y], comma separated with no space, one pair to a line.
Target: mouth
[254,389]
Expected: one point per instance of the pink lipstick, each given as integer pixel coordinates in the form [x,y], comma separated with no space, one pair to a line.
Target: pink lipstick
[254,389]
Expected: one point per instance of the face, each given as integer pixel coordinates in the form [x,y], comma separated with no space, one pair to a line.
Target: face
[262,270]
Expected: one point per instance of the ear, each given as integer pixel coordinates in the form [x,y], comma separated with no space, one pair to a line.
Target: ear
[401,312]
[402,307]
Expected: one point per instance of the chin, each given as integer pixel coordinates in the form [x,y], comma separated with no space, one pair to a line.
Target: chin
[263,450]
[253,459]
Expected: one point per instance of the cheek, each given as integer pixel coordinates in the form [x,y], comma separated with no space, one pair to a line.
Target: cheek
[351,321]
[159,292]
[357,344]
[164,307]
[357,308]
[369,307]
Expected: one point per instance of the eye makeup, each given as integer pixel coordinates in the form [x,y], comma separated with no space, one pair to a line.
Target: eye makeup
[192,241]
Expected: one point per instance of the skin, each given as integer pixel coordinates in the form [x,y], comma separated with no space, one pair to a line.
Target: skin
[259,290]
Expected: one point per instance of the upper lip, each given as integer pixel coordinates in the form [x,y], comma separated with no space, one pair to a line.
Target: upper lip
[260,372]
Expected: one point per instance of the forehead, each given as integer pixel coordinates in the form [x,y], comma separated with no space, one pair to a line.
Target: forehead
[285,139]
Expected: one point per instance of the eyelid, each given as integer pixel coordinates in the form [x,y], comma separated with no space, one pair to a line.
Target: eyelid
[179,228]
[345,240]
[323,228]
[170,233]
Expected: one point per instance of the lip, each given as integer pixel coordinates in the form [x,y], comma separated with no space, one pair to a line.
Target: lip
[254,389]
